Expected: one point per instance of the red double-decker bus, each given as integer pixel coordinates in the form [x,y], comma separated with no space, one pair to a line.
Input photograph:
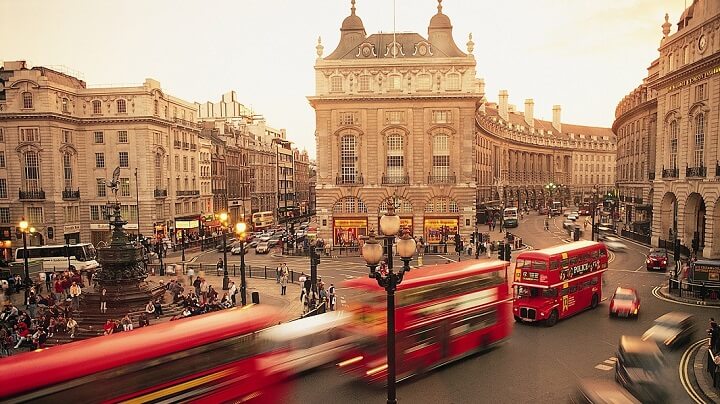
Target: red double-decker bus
[558,282]
[443,313]
[214,357]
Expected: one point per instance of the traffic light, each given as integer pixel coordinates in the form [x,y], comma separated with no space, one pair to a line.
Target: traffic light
[501,251]
[507,252]
[472,238]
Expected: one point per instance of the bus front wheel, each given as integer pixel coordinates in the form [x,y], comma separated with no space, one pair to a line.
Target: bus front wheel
[552,319]
[594,302]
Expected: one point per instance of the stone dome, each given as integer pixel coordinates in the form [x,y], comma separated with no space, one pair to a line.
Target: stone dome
[440,20]
[352,23]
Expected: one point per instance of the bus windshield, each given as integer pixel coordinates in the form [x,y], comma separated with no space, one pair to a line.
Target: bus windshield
[524,291]
[79,252]
[531,264]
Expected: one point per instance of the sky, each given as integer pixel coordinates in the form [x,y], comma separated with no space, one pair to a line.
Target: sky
[584,55]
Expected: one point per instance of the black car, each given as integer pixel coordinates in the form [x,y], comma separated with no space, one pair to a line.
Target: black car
[640,369]
[672,330]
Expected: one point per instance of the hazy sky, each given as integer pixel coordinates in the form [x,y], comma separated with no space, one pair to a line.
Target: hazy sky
[582,54]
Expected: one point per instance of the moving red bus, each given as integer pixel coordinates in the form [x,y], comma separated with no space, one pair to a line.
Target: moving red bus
[443,313]
[558,282]
[214,357]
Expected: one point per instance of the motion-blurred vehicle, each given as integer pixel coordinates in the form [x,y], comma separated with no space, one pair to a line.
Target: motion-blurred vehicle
[573,216]
[253,244]
[593,391]
[238,247]
[625,302]
[657,260]
[274,240]
[568,225]
[671,330]
[228,244]
[614,244]
[584,210]
[262,247]
[311,342]
[543,211]
[639,368]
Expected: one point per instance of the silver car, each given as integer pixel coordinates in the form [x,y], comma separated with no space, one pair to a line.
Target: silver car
[614,244]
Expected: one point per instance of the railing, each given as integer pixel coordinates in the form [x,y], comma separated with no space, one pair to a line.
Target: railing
[651,176]
[642,238]
[34,194]
[349,180]
[187,193]
[185,145]
[441,179]
[193,146]
[70,194]
[160,193]
[256,271]
[395,180]
[638,200]
[177,144]
[696,171]
[184,122]
[712,368]
[670,173]
[693,290]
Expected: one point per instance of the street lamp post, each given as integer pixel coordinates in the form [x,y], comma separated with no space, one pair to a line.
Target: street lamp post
[551,189]
[240,231]
[224,222]
[182,244]
[24,228]
[594,209]
[372,253]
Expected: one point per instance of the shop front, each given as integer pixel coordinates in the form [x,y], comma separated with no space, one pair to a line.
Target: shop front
[188,227]
[406,225]
[347,231]
[100,232]
[71,233]
[160,230]
[440,230]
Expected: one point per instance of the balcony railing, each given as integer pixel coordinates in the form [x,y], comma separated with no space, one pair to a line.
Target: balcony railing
[670,172]
[651,176]
[70,194]
[395,179]
[193,146]
[177,144]
[185,145]
[638,200]
[34,194]
[696,171]
[349,180]
[188,193]
[160,193]
[441,179]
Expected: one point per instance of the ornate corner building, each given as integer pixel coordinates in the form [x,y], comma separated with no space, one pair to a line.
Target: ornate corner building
[671,122]
[402,119]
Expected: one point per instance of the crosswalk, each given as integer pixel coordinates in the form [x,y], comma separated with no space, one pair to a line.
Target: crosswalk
[607,364]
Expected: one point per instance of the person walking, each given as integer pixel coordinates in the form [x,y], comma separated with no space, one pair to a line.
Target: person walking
[714,333]
[220,265]
[204,289]
[331,297]
[278,273]
[75,292]
[190,273]
[302,279]
[547,224]
[232,292]
[283,283]
[103,301]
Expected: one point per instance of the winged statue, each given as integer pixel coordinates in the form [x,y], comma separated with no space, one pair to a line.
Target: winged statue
[115,182]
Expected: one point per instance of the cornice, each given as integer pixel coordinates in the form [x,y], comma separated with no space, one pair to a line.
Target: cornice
[687,32]
[624,117]
[685,72]
[94,120]
[404,97]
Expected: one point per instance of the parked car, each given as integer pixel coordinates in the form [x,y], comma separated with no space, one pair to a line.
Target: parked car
[614,244]
[593,391]
[672,330]
[262,247]
[657,260]
[625,302]
[238,247]
[253,243]
[568,225]
[639,368]
[274,240]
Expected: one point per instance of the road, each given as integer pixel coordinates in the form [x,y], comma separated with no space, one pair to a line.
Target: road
[537,364]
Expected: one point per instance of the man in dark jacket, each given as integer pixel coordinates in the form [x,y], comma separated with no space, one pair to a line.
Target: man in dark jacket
[714,332]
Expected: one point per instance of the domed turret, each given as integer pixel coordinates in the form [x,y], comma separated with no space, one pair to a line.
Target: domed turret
[352,22]
[440,33]
[440,20]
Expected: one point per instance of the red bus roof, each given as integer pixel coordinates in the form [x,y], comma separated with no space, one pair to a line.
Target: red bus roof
[546,253]
[32,370]
[431,274]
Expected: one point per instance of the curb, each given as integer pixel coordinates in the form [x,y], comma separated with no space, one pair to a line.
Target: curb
[665,293]
[703,381]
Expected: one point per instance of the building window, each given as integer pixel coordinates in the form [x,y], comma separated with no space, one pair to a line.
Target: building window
[27,100]
[336,84]
[348,158]
[394,117]
[99,160]
[700,93]
[348,118]
[700,140]
[99,137]
[673,101]
[98,212]
[177,163]
[124,159]
[100,186]
[443,116]
[395,164]
[35,215]
[441,156]
[3,188]
[4,215]
[2,135]
[32,171]
[67,170]
[2,159]
[395,82]
[30,135]
[97,107]
[158,171]
[121,106]
[185,163]
[72,214]
[364,82]
[192,164]
[66,136]
[122,136]
[156,107]
[65,107]
[424,82]
[453,81]
[124,186]
[673,144]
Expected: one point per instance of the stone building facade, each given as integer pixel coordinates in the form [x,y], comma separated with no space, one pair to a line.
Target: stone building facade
[61,141]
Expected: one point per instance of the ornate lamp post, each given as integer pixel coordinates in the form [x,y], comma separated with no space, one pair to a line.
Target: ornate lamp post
[372,253]
[551,189]
[240,232]
[223,216]
[25,229]
[594,209]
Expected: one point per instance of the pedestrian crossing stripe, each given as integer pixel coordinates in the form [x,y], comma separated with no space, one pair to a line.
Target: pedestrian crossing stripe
[608,364]
[603,367]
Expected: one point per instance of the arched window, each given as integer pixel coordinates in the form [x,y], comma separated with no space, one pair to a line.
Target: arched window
[441,205]
[97,107]
[67,170]
[348,159]
[395,163]
[424,81]
[27,100]
[65,106]
[700,140]
[158,171]
[402,206]
[31,171]
[121,106]
[440,159]
[673,144]
[350,204]
[394,82]
[453,81]
[156,107]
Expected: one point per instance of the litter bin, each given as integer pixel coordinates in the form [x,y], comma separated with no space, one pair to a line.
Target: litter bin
[576,234]
[255,297]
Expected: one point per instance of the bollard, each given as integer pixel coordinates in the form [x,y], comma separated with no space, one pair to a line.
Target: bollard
[255,296]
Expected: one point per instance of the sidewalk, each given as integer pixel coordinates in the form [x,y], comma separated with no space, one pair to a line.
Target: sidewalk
[702,376]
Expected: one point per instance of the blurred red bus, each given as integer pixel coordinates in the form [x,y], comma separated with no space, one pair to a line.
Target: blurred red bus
[443,313]
[214,357]
[558,282]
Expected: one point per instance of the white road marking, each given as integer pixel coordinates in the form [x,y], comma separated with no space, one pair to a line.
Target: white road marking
[603,367]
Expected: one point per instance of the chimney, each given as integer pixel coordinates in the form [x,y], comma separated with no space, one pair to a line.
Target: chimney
[503,109]
[529,113]
[556,118]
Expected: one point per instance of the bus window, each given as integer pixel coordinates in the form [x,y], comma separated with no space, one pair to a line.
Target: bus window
[539,265]
[573,261]
[550,293]
[554,265]
[603,253]
[564,263]
[595,254]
